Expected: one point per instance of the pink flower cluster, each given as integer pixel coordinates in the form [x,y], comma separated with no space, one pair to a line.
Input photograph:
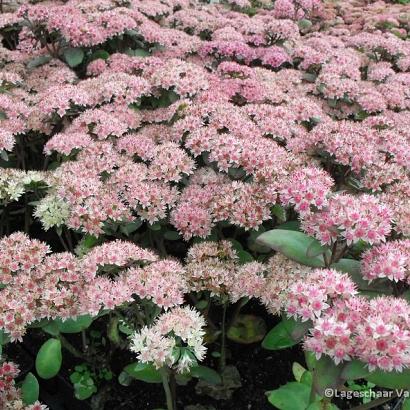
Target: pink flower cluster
[10,394]
[309,298]
[210,198]
[374,331]
[346,326]
[350,218]
[82,24]
[390,260]
[305,189]
[215,267]
[39,286]
[13,117]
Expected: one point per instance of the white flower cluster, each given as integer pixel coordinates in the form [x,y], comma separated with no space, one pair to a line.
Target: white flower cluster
[13,183]
[175,340]
[52,211]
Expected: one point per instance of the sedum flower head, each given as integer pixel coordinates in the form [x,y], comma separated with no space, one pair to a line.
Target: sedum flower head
[174,340]
[52,212]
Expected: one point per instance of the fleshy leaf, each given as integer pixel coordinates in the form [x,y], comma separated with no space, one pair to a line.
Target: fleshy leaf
[294,245]
[49,359]
[30,389]
[144,372]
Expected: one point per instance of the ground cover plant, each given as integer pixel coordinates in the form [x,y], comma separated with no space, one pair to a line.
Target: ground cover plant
[204,204]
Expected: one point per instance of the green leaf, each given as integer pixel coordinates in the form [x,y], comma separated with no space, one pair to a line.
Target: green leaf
[231,381]
[326,374]
[315,249]
[310,360]
[348,266]
[290,226]
[255,246]
[73,56]
[406,404]
[38,61]
[139,52]
[307,378]
[30,389]
[37,324]
[235,244]
[206,373]
[84,391]
[285,334]
[51,328]
[294,245]
[202,304]
[244,257]
[236,173]
[125,379]
[130,227]
[172,236]
[74,325]
[125,328]
[144,371]
[4,337]
[182,379]
[49,359]
[390,380]
[3,155]
[100,54]
[304,24]
[332,102]
[279,212]
[75,377]
[247,329]
[89,241]
[154,227]
[354,370]
[298,371]
[172,97]
[107,374]
[291,396]
[310,77]
[112,330]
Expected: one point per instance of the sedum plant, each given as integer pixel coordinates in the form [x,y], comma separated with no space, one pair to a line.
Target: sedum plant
[166,164]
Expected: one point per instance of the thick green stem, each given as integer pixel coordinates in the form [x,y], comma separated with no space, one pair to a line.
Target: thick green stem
[69,241]
[68,346]
[312,397]
[168,393]
[3,219]
[173,384]
[66,248]
[161,246]
[26,214]
[312,394]
[222,362]
[237,310]
[84,340]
